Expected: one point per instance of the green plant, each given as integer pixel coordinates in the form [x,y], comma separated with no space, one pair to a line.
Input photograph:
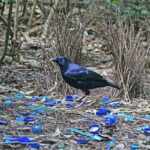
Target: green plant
[130,8]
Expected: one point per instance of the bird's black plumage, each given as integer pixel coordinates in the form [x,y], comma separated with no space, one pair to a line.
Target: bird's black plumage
[80,77]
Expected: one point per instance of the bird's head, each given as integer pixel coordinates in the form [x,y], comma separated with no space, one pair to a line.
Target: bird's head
[61,61]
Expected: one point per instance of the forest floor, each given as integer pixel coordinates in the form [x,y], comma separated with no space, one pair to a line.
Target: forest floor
[30,121]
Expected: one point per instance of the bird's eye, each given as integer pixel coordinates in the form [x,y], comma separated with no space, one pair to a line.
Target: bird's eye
[61,61]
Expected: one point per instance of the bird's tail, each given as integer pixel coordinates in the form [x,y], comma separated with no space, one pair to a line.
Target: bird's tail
[110,83]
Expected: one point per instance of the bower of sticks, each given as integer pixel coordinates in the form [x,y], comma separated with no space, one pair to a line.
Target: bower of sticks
[74,75]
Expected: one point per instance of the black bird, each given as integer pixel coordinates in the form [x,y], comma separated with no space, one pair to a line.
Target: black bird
[80,77]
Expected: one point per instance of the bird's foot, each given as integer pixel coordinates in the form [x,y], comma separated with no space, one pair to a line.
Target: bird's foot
[81,101]
[81,98]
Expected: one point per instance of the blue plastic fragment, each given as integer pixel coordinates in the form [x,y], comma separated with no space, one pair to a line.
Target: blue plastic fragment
[105,100]
[52,102]
[20,120]
[19,96]
[37,128]
[102,111]
[147,131]
[28,119]
[110,120]
[69,98]
[94,129]
[141,128]
[129,118]
[115,104]
[35,98]
[110,144]
[146,117]
[126,116]
[35,146]
[82,140]
[134,147]
[70,101]
[17,139]
[70,105]
[3,122]
[24,140]
[90,136]
[7,103]
[24,113]
[38,108]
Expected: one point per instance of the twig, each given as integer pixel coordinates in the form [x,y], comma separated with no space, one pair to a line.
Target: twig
[47,23]
[7,33]
[32,13]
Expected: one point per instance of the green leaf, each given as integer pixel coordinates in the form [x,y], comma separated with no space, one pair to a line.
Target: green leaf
[115,2]
[8,1]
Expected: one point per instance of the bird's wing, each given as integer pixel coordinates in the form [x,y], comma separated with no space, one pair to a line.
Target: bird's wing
[77,72]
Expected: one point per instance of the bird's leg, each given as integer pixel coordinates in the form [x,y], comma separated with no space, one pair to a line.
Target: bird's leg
[80,99]
[86,94]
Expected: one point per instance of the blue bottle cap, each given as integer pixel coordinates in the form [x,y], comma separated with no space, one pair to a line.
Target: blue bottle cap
[19,96]
[147,131]
[37,128]
[111,120]
[8,103]
[102,111]
[69,98]
[94,128]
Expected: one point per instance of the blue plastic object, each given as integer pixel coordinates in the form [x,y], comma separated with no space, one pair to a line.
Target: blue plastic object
[126,116]
[105,100]
[110,120]
[90,136]
[134,147]
[35,98]
[147,131]
[146,117]
[102,111]
[35,146]
[94,129]
[17,139]
[19,96]
[3,122]
[115,104]
[82,140]
[20,120]
[110,144]
[69,101]
[129,118]
[37,128]
[69,98]
[52,102]
[7,103]
[38,108]
[28,119]
[141,128]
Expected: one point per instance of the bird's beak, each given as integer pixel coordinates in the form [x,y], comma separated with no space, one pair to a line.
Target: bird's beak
[53,59]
